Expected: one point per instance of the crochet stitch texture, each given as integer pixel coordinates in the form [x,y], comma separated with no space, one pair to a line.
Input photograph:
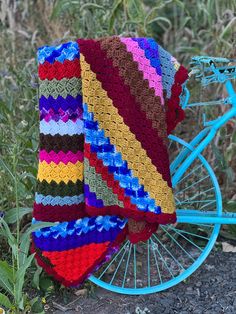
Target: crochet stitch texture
[106,107]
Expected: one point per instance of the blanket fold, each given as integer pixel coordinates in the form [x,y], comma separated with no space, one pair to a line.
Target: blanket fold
[106,107]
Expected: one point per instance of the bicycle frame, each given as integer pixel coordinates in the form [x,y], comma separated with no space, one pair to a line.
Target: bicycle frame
[206,222]
[199,143]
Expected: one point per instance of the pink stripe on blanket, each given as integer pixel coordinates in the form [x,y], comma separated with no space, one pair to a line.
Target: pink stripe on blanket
[144,65]
[61,157]
[60,114]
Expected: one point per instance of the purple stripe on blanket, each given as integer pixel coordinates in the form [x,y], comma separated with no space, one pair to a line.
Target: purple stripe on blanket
[74,241]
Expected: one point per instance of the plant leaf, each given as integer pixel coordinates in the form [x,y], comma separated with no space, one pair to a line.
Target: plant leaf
[161,18]
[46,284]
[24,248]
[11,214]
[91,5]
[59,8]
[114,10]
[4,266]
[36,277]
[7,169]
[5,301]
[229,28]
[6,277]
[20,276]
[36,306]
[39,225]
[6,232]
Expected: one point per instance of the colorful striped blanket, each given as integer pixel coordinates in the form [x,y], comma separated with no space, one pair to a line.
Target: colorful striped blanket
[106,107]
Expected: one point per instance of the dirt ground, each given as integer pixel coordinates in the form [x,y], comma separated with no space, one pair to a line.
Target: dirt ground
[210,290]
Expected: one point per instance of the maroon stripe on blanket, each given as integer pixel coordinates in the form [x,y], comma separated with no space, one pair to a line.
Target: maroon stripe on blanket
[55,213]
[127,106]
[131,213]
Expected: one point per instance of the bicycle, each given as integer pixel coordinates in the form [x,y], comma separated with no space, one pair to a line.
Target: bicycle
[176,251]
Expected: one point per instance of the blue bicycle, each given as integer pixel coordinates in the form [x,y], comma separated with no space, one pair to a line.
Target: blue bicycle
[174,252]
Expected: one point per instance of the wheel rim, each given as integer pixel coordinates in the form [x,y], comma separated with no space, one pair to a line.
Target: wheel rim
[175,251]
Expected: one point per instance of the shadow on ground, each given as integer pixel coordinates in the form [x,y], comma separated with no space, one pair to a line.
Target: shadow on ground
[210,290]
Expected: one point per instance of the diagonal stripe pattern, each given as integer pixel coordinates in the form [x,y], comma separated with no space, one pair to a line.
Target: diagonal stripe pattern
[105,108]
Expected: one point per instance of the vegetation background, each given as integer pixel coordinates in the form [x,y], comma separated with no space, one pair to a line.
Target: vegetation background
[185,28]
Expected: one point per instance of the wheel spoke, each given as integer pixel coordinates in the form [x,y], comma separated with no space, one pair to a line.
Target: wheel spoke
[205,225]
[190,233]
[189,174]
[148,266]
[127,265]
[206,191]
[192,185]
[135,276]
[118,266]
[196,201]
[189,255]
[213,201]
[163,260]
[165,248]
[114,258]
[174,251]
[155,257]
[179,233]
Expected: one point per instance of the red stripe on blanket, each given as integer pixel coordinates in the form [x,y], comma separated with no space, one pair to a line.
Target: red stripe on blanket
[65,266]
[106,176]
[127,106]
[130,210]
[57,70]
[175,113]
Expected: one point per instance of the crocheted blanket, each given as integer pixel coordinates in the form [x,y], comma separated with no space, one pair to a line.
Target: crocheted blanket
[106,108]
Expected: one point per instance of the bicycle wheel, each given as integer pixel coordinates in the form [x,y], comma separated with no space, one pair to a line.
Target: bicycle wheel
[174,252]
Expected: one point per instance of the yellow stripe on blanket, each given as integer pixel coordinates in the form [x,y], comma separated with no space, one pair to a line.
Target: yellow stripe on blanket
[60,172]
[114,127]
